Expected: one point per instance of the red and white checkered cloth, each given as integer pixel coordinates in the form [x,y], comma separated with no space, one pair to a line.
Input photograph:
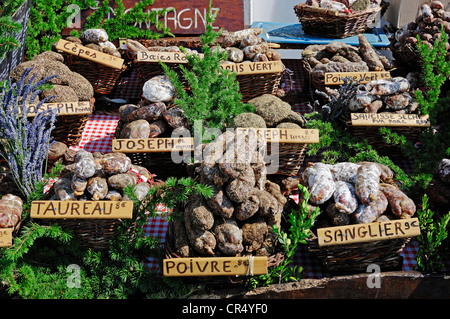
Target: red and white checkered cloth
[99,132]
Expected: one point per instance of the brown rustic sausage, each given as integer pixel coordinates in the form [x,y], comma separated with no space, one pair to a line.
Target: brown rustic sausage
[402,206]
[367,183]
[320,183]
[345,198]
[369,213]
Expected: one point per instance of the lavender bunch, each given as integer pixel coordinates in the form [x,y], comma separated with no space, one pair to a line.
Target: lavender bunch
[25,143]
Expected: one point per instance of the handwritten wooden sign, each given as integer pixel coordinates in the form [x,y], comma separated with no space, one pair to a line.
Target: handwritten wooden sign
[64,108]
[363,233]
[82,209]
[282,135]
[6,237]
[149,145]
[335,78]
[184,17]
[166,57]
[220,266]
[245,68]
[89,54]
[389,119]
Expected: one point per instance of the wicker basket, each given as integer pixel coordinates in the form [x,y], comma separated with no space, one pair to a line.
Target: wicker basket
[103,78]
[148,70]
[357,257]
[272,261]
[315,82]
[69,128]
[290,158]
[254,85]
[92,233]
[250,86]
[331,24]
[407,56]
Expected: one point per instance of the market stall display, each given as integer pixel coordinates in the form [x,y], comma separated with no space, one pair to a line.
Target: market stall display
[365,106]
[357,194]
[91,181]
[249,174]
[337,19]
[428,27]
[146,59]
[341,58]
[94,57]
[273,114]
[237,220]
[70,92]
[152,128]
[257,64]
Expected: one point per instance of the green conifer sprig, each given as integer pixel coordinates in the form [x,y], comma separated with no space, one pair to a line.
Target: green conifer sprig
[435,71]
[8,27]
[433,233]
[123,25]
[213,98]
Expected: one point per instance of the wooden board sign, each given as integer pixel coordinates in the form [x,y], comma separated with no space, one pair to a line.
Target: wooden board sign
[282,135]
[364,233]
[64,108]
[149,145]
[246,68]
[220,266]
[335,78]
[185,17]
[6,237]
[82,209]
[89,54]
[389,119]
[166,57]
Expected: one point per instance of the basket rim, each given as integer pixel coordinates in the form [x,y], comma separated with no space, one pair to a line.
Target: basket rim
[327,12]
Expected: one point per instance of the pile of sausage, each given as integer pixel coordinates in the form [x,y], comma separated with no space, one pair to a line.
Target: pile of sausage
[356,193]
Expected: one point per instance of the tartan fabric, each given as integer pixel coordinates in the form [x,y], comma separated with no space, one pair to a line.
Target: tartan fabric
[98,135]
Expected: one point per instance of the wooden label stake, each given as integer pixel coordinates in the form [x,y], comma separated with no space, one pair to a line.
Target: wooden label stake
[152,145]
[166,57]
[82,209]
[89,54]
[219,266]
[6,237]
[64,108]
[335,78]
[364,233]
[254,67]
[390,119]
[282,135]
